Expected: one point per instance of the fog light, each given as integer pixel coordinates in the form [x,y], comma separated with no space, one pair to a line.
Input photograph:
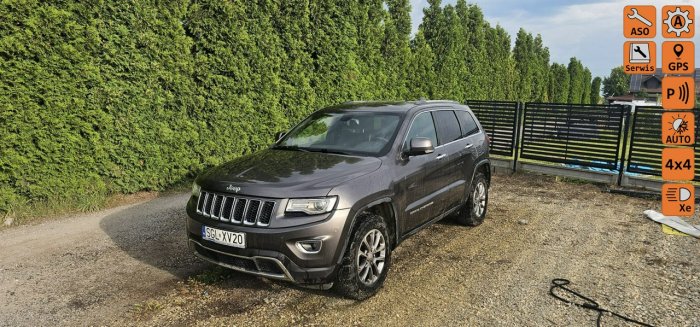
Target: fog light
[310,246]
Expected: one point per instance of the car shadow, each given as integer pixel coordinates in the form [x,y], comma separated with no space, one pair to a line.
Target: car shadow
[154,233]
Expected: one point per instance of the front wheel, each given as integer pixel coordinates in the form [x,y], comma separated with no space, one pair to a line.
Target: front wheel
[474,211]
[366,260]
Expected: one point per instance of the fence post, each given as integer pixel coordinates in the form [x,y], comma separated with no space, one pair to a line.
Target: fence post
[623,155]
[516,135]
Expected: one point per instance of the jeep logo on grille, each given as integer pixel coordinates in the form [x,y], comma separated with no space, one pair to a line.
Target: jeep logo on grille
[234,189]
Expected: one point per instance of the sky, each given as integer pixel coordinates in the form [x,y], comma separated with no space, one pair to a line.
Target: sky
[588,30]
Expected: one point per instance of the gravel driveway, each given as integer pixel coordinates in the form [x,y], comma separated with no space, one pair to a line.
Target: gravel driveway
[129,266]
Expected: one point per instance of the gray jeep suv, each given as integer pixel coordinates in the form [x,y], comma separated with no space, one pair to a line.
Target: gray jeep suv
[326,204]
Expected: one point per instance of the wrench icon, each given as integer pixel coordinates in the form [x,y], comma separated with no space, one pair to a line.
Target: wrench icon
[637,16]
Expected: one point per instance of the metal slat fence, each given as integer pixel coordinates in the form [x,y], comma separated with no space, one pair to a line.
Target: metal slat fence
[645,141]
[583,135]
[500,121]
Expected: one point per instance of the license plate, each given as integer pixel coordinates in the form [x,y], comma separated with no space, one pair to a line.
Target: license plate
[234,239]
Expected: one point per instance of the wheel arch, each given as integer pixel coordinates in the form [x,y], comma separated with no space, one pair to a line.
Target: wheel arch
[383,207]
[483,166]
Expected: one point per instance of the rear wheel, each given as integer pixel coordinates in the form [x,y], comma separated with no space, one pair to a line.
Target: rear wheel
[366,260]
[474,211]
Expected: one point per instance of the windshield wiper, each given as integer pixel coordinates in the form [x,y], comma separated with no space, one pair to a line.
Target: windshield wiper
[327,151]
[290,147]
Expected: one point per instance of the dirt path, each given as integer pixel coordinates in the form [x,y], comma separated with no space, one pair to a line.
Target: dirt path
[90,268]
[499,273]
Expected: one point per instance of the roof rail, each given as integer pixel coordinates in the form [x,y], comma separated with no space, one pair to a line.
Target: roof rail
[424,101]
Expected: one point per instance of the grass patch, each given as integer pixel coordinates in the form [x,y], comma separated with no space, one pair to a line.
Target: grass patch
[213,276]
[147,307]
[40,211]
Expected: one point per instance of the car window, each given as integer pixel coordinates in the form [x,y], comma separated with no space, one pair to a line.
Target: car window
[466,123]
[447,126]
[351,132]
[422,126]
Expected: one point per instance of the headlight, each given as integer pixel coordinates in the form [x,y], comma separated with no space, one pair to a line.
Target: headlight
[196,189]
[311,206]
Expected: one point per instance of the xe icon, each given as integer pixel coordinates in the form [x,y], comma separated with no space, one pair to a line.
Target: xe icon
[685,208]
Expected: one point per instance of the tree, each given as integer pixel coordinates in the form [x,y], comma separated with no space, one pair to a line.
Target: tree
[524,55]
[472,39]
[396,49]
[576,78]
[332,48]
[432,23]
[618,83]
[363,22]
[450,65]
[558,83]
[540,70]
[586,82]
[595,90]
[291,20]
[501,77]
[421,73]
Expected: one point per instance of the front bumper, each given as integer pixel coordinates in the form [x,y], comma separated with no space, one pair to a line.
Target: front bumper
[273,252]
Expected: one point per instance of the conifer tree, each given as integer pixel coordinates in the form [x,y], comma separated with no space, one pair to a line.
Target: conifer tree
[332,44]
[292,23]
[421,73]
[540,68]
[586,95]
[558,83]
[576,79]
[396,49]
[524,56]
[595,90]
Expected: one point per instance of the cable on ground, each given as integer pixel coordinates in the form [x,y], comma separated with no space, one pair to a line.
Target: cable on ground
[587,303]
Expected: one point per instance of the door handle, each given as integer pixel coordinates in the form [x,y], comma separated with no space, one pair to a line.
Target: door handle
[440,156]
[468,146]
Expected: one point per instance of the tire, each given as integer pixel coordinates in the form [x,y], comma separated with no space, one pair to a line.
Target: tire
[356,278]
[470,215]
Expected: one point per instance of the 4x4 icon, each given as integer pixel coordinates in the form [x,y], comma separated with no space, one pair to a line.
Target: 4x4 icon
[327,203]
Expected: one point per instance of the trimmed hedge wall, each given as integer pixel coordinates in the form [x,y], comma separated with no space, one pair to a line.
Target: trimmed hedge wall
[101,97]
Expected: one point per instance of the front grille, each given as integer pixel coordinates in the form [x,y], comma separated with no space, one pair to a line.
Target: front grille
[236,209]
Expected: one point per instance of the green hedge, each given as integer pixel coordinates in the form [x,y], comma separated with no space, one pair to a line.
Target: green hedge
[104,97]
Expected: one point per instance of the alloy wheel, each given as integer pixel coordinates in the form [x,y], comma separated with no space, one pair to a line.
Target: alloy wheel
[371,256]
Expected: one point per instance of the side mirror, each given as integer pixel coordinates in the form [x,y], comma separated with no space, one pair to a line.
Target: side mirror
[279,135]
[421,146]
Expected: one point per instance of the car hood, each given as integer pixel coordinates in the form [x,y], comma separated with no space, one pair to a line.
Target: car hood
[283,174]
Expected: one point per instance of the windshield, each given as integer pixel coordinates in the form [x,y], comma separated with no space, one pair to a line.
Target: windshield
[356,132]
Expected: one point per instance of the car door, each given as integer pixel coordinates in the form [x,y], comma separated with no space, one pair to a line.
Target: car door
[473,138]
[417,181]
[450,157]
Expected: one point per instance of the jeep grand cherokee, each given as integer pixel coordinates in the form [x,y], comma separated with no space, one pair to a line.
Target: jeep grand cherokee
[328,202]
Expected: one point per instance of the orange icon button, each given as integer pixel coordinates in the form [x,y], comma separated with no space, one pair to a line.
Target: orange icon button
[678,200]
[678,21]
[678,92]
[639,22]
[639,57]
[678,164]
[678,57]
[678,128]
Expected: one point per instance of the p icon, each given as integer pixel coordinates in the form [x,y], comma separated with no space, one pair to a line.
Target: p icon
[678,92]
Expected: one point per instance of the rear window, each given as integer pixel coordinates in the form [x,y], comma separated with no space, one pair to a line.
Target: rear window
[467,123]
[447,127]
